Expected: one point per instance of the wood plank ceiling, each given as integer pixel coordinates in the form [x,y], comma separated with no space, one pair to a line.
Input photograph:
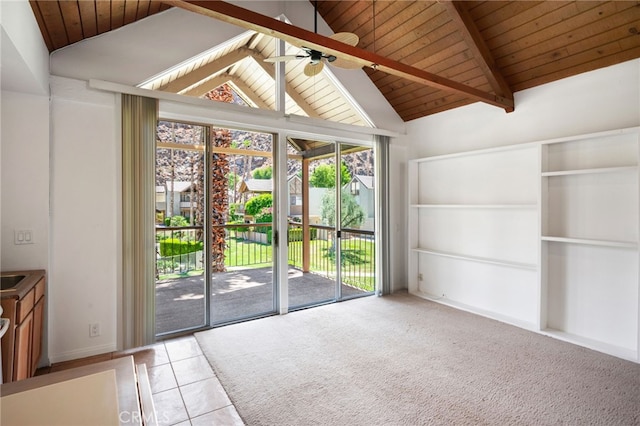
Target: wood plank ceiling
[498,47]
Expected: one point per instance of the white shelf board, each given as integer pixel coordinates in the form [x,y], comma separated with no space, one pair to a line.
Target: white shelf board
[474,206]
[596,345]
[477,259]
[590,171]
[592,242]
[491,150]
[463,307]
[605,133]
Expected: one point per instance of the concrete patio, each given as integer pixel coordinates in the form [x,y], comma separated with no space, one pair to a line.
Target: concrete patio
[236,295]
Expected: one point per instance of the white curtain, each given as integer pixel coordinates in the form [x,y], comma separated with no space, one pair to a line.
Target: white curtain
[139,120]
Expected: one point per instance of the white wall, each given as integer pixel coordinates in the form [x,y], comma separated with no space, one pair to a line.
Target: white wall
[599,100]
[596,101]
[23,54]
[25,179]
[24,140]
[24,123]
[85,269]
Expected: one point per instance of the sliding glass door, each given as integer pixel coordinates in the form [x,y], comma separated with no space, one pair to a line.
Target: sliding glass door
[215,214]
[331,237]
[242,214]
[214,220]
[179,227]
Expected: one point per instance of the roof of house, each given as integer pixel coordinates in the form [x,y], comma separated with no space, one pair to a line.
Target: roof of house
[366,181]
[256,185]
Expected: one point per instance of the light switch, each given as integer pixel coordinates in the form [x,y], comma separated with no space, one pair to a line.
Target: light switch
[23,236]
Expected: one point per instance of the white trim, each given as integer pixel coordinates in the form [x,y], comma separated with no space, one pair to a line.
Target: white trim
[508,263]
[343,91]
[474,206]
[236,115]
[526,145]
[195,59]
[590,171]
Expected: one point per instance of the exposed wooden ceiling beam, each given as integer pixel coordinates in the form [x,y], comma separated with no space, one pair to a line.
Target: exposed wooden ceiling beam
[248,19]
[248,92]
[205,71]
[207,86]
[270,69]
[469,31]
[322,151]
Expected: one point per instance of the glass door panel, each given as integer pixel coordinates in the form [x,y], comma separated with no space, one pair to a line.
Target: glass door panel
[357,223]
[241,211]
[180,215]
[311,235]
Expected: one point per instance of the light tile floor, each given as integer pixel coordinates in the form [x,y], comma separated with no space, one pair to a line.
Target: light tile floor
[185,389]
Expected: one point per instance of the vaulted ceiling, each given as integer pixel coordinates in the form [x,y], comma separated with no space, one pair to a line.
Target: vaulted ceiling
[424,56]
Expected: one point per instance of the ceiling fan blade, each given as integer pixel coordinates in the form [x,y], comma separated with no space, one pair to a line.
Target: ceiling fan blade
[311,70]
[345,63]
[284,58]
[347,38]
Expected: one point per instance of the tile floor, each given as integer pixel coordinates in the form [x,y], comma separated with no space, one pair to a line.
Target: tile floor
[185,389]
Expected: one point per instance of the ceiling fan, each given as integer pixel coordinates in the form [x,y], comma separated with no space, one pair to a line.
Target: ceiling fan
[317,58]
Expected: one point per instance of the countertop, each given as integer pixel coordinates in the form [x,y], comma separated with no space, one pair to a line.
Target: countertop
[31,279]
[127,408]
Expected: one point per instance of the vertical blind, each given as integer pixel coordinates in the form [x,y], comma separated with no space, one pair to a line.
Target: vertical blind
[383,234]
[139,120]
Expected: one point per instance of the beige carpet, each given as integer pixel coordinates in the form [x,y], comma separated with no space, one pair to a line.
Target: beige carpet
[400,360]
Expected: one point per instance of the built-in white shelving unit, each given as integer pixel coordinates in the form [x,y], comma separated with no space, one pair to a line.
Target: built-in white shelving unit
[543,235]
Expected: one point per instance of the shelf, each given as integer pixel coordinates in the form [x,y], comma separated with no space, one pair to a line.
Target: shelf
[596,345]
[482,151]
[474,206]
[498,262]
[590,171]
[443,300]
[592,242]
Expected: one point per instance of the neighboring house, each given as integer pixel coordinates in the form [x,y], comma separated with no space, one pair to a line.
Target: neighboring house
[361,187]
[178,194]
[252,187]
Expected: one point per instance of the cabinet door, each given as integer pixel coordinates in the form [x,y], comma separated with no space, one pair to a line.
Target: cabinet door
[22,354]
[36,349]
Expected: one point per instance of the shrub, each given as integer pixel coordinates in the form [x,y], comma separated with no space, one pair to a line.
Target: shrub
[294,234]
[176,246]
[237,228]
[265,216]
[255,205]
[176,221]
[233,216]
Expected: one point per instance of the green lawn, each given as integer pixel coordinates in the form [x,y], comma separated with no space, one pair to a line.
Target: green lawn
[358,266]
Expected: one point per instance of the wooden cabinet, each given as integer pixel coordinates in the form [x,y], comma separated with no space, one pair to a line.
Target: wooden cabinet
[36,339]
[22,350]
[22,344]
[543,235]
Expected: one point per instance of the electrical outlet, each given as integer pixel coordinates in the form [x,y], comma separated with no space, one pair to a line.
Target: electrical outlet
[94,329]
[419,277]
